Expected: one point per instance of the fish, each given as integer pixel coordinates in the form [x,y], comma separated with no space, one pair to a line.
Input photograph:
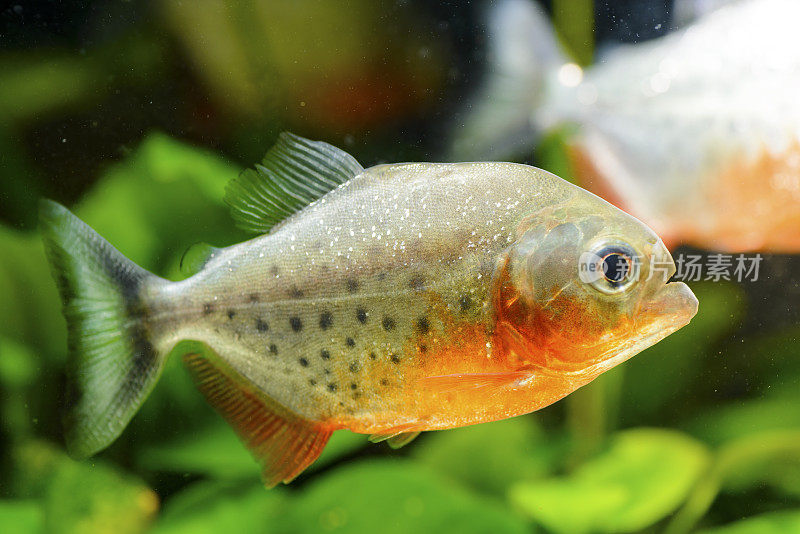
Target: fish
[696,133]
[388,301]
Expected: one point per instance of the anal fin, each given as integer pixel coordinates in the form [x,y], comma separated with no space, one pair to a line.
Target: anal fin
[284,443]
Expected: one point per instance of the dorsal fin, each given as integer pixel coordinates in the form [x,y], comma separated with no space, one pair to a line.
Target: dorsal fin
[294,173]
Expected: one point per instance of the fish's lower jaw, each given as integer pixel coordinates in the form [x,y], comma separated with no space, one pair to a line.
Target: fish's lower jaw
[638,341]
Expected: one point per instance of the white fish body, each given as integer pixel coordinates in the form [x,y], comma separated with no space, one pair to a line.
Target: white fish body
[661,124]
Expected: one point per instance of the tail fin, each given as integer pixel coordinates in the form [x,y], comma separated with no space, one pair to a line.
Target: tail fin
[522,50]
[113,362]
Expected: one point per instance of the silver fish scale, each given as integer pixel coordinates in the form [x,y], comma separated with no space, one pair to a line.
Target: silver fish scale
[379,244]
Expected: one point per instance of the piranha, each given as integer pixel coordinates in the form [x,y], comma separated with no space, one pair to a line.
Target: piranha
[696,133]
[388,301]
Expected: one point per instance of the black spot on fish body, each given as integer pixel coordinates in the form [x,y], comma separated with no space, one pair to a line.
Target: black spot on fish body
[231,314]
[388,324]
[303,362]
[373,356]
[354,367]
[361,315]
[295,293]
[465,302]
[208,308]
[381,277]
[254,297]
[423,325]
[274,270]
[350,342]
[417,283]
[423,348]
[332,387]
[296,323]
[312,382]
[261,325]
[352,285]
[353,386]
[325,355]
[395,358]
[273,349]
[325,320]
[384,382]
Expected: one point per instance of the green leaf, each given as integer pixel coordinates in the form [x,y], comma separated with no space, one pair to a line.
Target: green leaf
[737,420]
[19,370]
[95,498]
[81,497]
[22,516]
[215,507]
[31,311]
[770,523]
[643,476]
[392,497]
[767,458]
[509,451]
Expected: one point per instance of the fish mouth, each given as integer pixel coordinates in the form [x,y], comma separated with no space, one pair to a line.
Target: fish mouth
[670,309]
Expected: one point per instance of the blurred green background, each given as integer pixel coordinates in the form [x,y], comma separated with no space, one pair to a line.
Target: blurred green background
[135,114]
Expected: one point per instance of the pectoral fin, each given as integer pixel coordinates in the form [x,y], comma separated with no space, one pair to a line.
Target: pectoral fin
[471,382]
[283,442]
[395,438]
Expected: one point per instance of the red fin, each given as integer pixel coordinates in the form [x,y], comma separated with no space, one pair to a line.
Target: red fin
[283,442]
[467,382]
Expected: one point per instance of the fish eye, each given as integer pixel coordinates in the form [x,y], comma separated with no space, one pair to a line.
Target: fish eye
[611,268]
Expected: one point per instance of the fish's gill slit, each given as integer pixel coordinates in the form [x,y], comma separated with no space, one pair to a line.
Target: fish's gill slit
[555,295]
